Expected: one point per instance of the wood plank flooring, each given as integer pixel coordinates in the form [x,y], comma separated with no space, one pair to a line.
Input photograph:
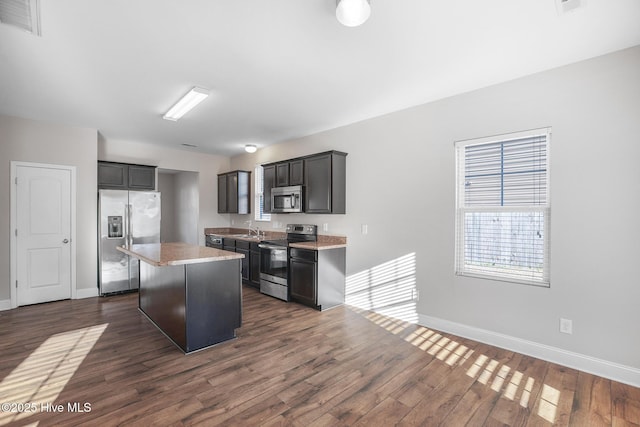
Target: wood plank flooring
[99,362]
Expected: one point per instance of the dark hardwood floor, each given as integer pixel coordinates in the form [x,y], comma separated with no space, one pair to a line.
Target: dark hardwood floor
[100,362]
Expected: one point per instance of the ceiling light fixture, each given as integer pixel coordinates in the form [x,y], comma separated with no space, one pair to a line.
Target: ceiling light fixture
[186,103]
[352,13]
[250,148]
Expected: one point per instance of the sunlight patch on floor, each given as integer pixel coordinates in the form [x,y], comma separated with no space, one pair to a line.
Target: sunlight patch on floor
[549,403]
[490,372]
[41,377]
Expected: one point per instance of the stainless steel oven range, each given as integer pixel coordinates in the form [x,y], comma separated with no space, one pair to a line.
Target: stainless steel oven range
[274,259]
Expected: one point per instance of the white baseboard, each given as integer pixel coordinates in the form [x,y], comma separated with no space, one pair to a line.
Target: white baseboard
[86,293]
[80,294]
[592,365]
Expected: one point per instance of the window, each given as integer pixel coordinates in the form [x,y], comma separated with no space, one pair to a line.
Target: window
[259,195]
[503,207]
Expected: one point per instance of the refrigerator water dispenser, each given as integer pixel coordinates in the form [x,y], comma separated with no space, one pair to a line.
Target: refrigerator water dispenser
[115,227]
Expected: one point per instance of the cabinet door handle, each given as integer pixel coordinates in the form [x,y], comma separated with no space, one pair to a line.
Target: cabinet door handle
[65,241]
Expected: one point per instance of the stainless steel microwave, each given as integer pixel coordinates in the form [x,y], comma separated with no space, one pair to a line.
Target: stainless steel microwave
[286,199]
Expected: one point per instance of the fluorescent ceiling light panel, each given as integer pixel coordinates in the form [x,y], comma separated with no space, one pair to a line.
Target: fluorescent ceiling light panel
[190,100]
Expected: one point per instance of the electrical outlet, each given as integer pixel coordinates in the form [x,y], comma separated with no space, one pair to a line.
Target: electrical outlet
[566,326]
[364,228]
[325,226]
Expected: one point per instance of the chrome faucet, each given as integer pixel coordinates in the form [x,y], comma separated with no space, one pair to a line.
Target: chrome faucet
[256,231]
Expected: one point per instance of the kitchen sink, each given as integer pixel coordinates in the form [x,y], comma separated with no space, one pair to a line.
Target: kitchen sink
[245,236]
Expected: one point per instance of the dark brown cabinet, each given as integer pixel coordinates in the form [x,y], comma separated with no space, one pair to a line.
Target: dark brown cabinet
[250,265]
[323,176]
[290,172]
[296,172]
[268,182]
[123,176]
[325,183]
[222,194]
[242,247]
[282,174]
[317,278]
[254,265]
[303,273]
[234,192]
[142,177]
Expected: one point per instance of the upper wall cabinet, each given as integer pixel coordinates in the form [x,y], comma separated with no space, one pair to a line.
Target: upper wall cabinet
[290,172]
[234,192]
[325,183]
[296,172]
[323,176]
[123,176]
[268,182]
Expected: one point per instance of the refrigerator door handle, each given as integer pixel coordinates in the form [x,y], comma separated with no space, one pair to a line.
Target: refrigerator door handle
[127,211]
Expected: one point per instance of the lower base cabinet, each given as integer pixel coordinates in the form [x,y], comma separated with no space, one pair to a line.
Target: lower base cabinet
[254,265]
[242,247]
[194,305]
[317,278]
[250,262]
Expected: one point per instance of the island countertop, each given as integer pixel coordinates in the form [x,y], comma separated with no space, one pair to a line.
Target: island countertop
[163,254]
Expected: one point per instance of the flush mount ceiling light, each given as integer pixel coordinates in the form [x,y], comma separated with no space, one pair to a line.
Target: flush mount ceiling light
[352,13]
[186,103]
[250,148]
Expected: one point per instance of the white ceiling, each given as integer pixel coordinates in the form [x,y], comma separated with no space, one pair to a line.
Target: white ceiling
[281,69]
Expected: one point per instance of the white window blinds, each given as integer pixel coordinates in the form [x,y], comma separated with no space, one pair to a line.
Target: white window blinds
[502,207]
[260,215]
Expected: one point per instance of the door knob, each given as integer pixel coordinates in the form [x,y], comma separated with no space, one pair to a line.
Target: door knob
[65,241]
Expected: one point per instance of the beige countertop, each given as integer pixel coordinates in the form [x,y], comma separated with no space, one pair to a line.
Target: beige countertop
[317,246]
[324,241]
[163,254]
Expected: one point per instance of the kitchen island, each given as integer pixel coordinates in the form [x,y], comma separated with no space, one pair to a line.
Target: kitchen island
[193,294]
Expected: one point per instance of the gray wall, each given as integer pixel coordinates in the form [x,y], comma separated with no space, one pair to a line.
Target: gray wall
[31,141]
[166,186]
[401,183]
[180,206]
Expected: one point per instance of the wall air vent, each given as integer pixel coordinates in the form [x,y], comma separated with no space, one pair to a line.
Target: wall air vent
[564,6]
[24,14]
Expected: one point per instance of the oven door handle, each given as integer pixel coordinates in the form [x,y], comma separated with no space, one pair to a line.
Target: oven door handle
[272,247]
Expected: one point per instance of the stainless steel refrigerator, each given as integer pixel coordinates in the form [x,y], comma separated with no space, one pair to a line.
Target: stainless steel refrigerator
[126,218]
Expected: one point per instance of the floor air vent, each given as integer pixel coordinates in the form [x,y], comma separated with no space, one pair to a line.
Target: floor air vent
[24,14]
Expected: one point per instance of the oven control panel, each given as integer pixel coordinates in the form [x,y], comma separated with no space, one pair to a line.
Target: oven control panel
[302,229]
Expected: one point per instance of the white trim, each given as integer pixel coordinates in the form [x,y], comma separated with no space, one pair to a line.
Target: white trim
[13,225]
[603,368]
[504,137]
[461,209]
[86,293]
[5,304]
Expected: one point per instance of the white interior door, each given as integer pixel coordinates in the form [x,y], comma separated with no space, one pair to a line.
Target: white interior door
[43,239]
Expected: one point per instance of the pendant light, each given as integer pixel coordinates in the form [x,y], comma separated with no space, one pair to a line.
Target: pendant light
[352,13]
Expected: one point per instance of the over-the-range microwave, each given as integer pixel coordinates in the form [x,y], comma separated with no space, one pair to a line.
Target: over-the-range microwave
[286,199]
